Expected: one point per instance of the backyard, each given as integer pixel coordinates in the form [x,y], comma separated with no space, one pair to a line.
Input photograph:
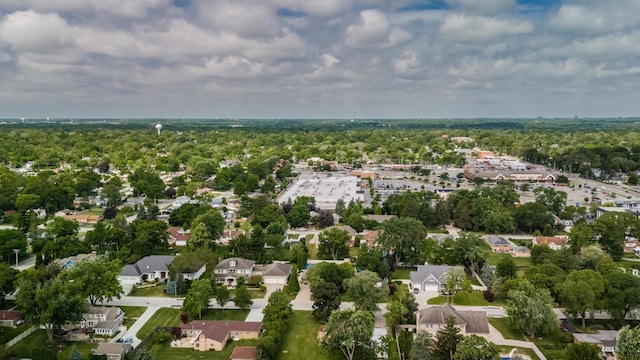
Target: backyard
[166,352]
[301,339]
[171,317]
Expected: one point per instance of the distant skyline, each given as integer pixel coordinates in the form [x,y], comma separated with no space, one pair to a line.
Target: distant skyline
[319,58]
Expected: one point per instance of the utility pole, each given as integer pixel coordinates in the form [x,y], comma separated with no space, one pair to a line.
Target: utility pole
[16,251]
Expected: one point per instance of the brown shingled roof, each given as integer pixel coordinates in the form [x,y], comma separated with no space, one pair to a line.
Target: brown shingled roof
[218,330]
[476,321]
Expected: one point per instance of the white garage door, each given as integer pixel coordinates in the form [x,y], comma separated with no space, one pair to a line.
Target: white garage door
[128,280]
[430,288]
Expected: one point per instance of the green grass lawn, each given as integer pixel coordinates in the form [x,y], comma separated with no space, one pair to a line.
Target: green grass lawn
[353,252]
[402,273]
[166,352]
[507,332]
[83,347]
[628,264]
[522,263]
[171,317]
[313,252]
[94,211]
[132,313]
[153,291]
[255,293]
[162,317]
[7,333]
[473,298]
[301,339]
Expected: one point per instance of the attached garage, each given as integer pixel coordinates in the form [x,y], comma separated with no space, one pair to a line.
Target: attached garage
[275,274]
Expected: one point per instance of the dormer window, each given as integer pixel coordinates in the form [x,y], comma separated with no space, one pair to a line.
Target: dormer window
[232,263]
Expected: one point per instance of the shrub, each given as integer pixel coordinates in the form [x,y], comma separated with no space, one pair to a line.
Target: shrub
[488,295]
[162,336]
[254,280]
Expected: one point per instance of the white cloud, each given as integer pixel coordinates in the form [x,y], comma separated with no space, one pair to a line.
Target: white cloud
[408,65]
[484,7]
[124,8]
[589,17]
[470,28]
[374,31]
[30,31]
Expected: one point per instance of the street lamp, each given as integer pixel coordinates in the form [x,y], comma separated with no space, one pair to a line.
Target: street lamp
[16,251]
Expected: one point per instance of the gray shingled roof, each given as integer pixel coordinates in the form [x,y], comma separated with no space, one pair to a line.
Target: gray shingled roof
[240,264]
[475,321]
[437,271]
[497,240]
[148,264]
[276,269]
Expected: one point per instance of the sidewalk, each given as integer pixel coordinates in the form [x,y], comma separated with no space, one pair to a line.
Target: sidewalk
[133,330]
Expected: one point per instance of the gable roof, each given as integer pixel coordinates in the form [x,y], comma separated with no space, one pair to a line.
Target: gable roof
[351,231]
[10,315]
[106,348]
[424,271]
[475,321]
[219,330]
[240,263]
[178,233]
[497,240]
[276,269]
[558,240]
[148,264]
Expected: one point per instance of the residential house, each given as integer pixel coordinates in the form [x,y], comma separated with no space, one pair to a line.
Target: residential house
[68,262]
[498,244]
[113,351]
[520,251]
[632,246]
[102,320]
[244,353]
[433,318]
[10,318]
[153,267]
[228,235]
[431,277]
[605,339]
[276,273]
[205,335]
[554,242]
[84,219]
[229,270]
[178,236]
[370,237]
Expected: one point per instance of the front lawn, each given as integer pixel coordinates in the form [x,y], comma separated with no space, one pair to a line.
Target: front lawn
[166,352]
[132,313]
[253,292]
[473,298]
[505,329]
[151,291]
[301,339]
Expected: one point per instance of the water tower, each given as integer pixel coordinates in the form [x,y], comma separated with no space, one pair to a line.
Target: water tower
[159,127]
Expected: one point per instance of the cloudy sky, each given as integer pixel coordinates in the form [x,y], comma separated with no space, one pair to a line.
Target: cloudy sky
[319,58]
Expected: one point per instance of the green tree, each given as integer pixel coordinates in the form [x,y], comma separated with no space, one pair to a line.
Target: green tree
[628,347]
[581,292]
[364,291]
[145,181]
[7,281]
[462,215]
[348,331]
[242,298]
[471,251]
[546,276]
[456,281]
[333,244]
[47,300]
[222,296]
[293,286]
[554,201]
[401,237]
[533,216]
[622,294]
[213,221]
[75,354]
[111,192]
[474,347]
[200,237]
[582,351]
[197,298]
[97,280]
[531,311]
[611,229]
[143,354]
[447,339]
[506,268]
[422,347]
[60,227]
[580,236]
[326,299]
[149,236]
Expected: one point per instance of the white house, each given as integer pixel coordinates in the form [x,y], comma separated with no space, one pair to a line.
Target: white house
[146,269]
[431,278]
